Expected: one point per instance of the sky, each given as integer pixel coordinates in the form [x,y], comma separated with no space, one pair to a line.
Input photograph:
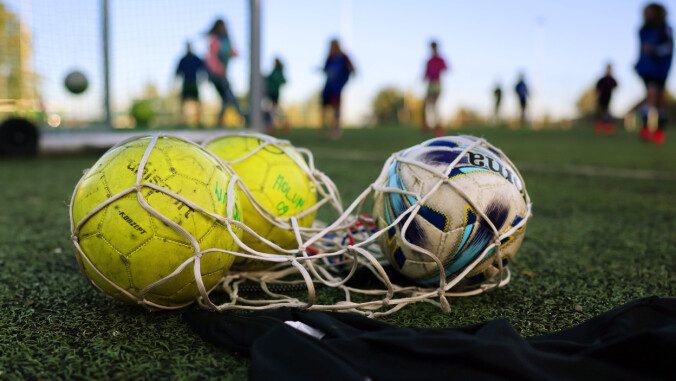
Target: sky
[562,47]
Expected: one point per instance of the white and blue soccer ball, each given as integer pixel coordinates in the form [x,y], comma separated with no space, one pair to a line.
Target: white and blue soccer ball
[449,223]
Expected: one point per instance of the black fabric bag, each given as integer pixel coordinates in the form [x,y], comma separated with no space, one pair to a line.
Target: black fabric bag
[635,341]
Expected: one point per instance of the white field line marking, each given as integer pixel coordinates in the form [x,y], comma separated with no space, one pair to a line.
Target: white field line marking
[580,170]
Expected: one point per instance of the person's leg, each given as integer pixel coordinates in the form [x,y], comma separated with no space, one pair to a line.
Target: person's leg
[649,112]
[221,114]
[268,116]
[435,110]
[598,119]
[184,98]
[198,107]
[218,86]
[229,96]
[280,118]
[431,113]
[496,112]
[426,113]
[274,111]
[335,130]
[325,107]
[607,119]
[322,116]
[184,111]
[661,106]
[198,111]
[436,118]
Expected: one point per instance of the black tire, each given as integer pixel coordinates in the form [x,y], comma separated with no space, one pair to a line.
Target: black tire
[18,137]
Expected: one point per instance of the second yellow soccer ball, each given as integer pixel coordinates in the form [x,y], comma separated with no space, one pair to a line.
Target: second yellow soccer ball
[277,176]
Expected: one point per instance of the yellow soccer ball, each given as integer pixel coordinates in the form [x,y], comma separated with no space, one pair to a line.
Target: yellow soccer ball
[123,247]
[279,182]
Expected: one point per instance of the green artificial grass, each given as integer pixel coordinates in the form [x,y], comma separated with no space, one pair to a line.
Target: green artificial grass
[595,241]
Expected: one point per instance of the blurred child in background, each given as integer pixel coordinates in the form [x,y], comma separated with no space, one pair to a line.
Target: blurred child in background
[434,67]
[273,83]
[497,101]
[218,57]
[604,91]
[338,68]
[653,67]
[189,67]
[521,90]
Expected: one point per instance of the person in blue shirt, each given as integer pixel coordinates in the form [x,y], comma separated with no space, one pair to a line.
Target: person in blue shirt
[521,90]
[653,67]
[338,68]
[189,68]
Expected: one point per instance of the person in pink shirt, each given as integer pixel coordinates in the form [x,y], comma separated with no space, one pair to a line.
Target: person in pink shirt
[433,69]
[217,59]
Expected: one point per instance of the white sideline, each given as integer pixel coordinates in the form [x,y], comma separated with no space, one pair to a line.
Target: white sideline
[580,170]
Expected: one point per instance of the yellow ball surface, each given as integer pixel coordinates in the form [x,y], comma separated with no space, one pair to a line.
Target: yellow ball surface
[134,248]
[277,182]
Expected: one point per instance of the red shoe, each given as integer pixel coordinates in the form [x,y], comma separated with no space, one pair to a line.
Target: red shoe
[438,131]
[609,128]
[598,128]
[658,137]
[645,134]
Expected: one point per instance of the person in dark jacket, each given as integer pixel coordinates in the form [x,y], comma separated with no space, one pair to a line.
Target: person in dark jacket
[189,68]
[338,68]
[604,92]
[653,66]
[521,90]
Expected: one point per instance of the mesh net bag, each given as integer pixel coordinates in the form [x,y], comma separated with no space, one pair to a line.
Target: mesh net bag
[334,255]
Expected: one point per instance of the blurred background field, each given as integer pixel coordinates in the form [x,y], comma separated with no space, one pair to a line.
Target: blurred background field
[601,235]
[486,44]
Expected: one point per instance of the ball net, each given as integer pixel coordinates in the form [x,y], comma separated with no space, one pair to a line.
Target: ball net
[327,255]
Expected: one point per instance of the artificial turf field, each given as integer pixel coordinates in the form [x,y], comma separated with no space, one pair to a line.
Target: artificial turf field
[603,233]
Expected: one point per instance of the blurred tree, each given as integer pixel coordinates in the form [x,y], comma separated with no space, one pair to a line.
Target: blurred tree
[465,115]
[586,104]
[17,79]
[306,113]
[412,112]
[388,105]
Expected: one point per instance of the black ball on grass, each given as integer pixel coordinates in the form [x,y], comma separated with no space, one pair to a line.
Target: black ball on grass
[18,137]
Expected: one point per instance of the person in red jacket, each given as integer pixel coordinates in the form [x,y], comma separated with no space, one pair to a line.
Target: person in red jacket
[435,66]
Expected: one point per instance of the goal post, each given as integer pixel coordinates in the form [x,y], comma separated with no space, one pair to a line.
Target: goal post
[255,78]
